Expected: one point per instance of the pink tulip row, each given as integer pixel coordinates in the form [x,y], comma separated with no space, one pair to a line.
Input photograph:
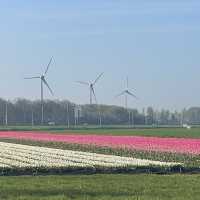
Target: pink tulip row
[176,145]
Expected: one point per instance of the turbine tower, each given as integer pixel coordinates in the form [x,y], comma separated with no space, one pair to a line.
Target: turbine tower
[91,88]
[126,93]
[43,80]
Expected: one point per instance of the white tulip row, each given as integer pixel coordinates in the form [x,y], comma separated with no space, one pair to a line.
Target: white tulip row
[17,155]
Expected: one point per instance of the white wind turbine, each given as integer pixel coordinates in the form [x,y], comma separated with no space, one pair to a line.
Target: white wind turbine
[91,88]
[126,93]
[43,80]
[92,93]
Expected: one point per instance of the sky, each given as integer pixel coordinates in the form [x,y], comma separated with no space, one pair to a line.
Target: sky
[153,42]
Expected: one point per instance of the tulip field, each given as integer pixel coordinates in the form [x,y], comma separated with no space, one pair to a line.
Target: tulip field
[100,163]
[174,145]
[77,151]
[24,156]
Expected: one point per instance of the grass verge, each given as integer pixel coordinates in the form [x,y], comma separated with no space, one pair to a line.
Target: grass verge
[101,187]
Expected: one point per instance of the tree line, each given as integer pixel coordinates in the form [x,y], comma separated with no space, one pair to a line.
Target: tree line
[27,112]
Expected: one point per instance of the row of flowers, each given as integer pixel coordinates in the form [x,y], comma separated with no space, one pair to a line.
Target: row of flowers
[173,145]
[17,155]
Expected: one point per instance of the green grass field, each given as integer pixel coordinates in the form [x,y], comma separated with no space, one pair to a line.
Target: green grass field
[101,187]
[160,132]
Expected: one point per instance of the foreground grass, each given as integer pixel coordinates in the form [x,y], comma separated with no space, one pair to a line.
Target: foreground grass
[101,187]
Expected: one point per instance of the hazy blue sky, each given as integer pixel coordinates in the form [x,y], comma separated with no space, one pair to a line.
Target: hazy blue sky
[155,43]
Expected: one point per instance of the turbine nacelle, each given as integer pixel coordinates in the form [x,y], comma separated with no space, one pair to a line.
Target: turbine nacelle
[42,77]
[91,85]
[126,91]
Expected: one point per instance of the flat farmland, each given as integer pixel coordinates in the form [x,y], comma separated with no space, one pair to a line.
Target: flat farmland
[121,186]
[164,149]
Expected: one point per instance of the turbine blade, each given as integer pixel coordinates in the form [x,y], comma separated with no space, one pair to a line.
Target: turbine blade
[82,82]
[32,77]
[94,95]
[122,93]
[48,66]
[131,94]
[45,82]
[97,78]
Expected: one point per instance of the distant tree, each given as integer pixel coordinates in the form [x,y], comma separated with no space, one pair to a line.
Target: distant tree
[150,116]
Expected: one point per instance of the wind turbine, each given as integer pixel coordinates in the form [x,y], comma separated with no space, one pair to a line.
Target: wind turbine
[43,80]
[92,93]
[126,93]
[91,88]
